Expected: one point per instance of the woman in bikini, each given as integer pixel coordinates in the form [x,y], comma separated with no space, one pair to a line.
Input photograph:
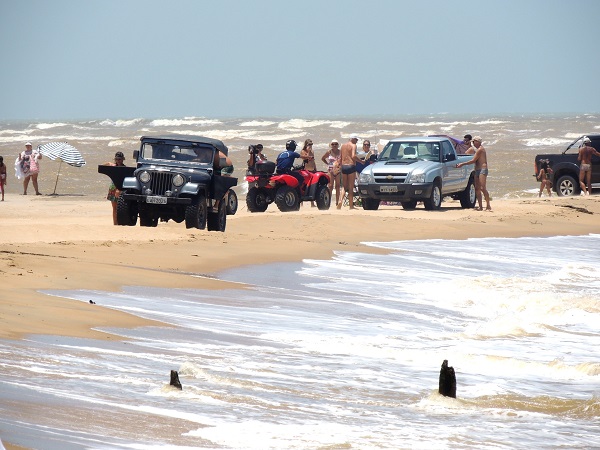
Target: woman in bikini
[545,178]
[332,159]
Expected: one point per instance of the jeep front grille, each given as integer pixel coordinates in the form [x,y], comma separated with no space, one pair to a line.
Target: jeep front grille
[160,182]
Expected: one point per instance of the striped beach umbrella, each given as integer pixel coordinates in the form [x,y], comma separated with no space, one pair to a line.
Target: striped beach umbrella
[63,152]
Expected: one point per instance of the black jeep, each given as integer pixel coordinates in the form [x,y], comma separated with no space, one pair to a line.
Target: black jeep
[177,177]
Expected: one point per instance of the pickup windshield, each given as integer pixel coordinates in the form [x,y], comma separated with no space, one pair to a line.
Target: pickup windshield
[183,152]
[402,151]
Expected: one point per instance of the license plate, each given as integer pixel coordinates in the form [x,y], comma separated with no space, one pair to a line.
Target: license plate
[388,189]
[156,200]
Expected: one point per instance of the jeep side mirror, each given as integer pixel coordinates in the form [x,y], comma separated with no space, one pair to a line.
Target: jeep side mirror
[222,162]
[136,153]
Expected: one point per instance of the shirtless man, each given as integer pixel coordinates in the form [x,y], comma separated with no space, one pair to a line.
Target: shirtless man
[585,169]
[481,173]
[348,160]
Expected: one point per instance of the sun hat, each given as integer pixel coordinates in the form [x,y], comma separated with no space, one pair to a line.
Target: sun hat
[354,136]
[334,141]
[586,140]
[28,143]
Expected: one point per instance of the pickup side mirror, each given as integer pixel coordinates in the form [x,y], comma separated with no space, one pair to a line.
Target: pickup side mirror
[450,157]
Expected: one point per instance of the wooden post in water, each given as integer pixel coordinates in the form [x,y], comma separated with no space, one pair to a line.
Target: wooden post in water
[447,380]
[175,379]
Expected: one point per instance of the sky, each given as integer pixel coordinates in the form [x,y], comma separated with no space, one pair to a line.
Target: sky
[119,59]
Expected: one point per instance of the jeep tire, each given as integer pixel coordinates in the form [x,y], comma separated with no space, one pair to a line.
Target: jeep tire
[126,212]
[232,202]
[195,214]
[217,221]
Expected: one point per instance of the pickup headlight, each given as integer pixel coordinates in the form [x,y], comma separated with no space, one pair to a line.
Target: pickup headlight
[144,176]
[416,177]
[365,177]
[178,180]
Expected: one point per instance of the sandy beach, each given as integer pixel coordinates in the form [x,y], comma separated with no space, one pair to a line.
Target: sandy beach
[54,242]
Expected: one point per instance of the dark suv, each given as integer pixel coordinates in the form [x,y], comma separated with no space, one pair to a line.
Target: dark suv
[177,177]
[566,167]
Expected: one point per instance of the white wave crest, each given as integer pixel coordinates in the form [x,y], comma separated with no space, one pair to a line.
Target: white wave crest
[45,126]
[541,142]
[300,124]
[199,121]
[257,123]
[120,123]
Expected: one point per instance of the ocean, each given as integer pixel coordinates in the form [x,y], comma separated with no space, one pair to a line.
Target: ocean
[328,354]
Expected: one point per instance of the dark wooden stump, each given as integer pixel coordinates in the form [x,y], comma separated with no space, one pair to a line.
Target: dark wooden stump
[447,380]
[175,379]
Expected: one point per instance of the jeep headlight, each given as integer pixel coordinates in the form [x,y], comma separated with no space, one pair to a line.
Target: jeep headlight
[365,177]
[178,180]
[416,177]
[144,176]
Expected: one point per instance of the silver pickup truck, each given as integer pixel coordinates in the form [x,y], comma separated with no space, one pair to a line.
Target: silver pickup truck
[414,169]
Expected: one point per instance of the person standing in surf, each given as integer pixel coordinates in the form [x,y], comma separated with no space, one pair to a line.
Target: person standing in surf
[481,173]
[348,159]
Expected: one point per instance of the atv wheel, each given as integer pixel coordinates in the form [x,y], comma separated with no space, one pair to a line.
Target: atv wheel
[256,200]
[323,197]
[195,214]
[126,212]
[217,221]
[232,202]
[287,199]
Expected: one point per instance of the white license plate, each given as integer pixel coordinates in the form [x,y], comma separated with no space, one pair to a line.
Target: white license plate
[388,189]
[156,200]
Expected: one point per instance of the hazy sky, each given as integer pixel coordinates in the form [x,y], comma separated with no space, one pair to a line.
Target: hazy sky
[88,59]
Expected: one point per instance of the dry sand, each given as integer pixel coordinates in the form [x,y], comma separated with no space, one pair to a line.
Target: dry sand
[54,242]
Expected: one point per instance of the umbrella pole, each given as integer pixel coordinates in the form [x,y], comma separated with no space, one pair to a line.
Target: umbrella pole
[57,174]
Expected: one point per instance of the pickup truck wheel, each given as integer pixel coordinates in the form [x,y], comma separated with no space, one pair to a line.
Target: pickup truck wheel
[467,197]
[256,200]
[435,199]
[127,212]
[287,199]
[232,202]
[323,197]
[566,185]
[217,221]
[195,214]
[370,204]
[412,204]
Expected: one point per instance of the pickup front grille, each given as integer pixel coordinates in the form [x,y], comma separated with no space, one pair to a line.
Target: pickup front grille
[389,177]
[160,182]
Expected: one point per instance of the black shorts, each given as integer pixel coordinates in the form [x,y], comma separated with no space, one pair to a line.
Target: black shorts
[348,169]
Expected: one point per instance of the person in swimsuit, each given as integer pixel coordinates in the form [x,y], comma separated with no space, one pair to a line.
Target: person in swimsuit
[545,177]
[113,192]
[30,167]
[348,159]
[2,176]
[332,159]
[585,169]
[481,173]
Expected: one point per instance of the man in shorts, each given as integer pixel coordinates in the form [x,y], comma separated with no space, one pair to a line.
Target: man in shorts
[481,173]
[585,168]
[348,160]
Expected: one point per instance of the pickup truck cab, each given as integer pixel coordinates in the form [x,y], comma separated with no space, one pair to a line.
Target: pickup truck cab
[565,167]
[413,169]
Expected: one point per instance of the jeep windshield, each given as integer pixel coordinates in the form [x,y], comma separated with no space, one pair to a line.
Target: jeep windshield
[178,151]
[405,152]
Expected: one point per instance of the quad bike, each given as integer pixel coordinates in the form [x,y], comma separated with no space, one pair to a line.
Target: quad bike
[285,190]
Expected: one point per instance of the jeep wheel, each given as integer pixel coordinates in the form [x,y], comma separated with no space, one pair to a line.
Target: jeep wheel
[217,221]
[195,214]
[370,204]
[256,200]
[147,221]
[323,197]
[409,205]
[467,197]
[232,202]
[287,199]
[126,212]
[435,199]
[566,185]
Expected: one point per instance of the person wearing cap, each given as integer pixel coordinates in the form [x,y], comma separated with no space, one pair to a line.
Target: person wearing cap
[30,167]
[332,159]
[113,192]
[348,159]
[585,168]
[481,173]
